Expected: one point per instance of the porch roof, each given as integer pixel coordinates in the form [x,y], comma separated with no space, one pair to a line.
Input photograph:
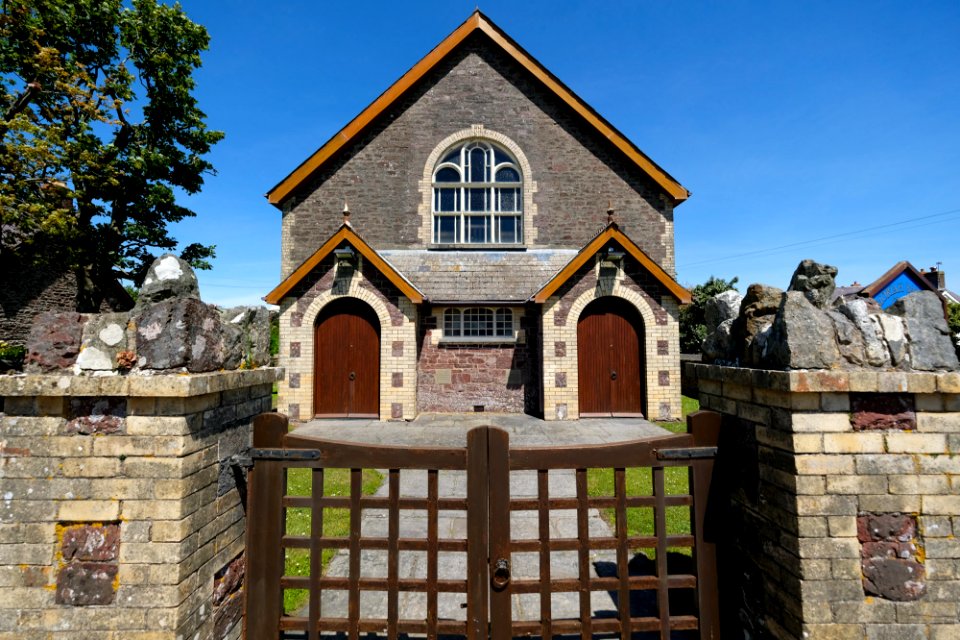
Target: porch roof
[478,276]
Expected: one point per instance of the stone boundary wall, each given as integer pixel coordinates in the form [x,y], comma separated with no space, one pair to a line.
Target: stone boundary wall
[120,513]
[839,497]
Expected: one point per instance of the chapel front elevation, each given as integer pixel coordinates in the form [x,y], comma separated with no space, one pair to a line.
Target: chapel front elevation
[478,239]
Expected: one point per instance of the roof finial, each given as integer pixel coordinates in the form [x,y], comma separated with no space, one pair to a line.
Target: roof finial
[346,213]
[610,211]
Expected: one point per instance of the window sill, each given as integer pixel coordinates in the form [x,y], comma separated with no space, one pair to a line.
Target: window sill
[477,247]
[478,340]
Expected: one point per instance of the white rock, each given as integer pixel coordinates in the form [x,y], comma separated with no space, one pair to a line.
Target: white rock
[168,268]
[92,359]
[111,335]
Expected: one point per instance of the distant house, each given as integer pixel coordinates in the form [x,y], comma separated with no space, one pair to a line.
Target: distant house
[938,279]
[900,280]
[477,267]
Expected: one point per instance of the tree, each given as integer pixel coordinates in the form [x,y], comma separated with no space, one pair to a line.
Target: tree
[693,327]
[953,320]
[98,132]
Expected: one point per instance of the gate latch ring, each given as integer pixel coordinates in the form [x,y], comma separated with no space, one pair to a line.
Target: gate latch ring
[501,574]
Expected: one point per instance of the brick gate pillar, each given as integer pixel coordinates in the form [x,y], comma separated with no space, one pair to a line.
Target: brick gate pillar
[121,514]
[839,500]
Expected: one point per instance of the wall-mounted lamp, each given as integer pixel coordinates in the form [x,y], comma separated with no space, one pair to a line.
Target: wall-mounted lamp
[613,255]
[346,256]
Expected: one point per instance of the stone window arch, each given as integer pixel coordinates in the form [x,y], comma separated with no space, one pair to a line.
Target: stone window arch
[477,189]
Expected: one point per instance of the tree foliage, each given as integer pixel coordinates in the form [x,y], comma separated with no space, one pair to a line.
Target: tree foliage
[99,130]
[953,320]
[692,319]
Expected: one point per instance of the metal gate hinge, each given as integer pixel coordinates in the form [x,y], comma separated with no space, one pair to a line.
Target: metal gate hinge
[239,460]
[686,453]
[284,454]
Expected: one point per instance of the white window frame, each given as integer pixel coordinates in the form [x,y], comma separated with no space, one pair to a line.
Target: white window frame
[490,218]
[478,324]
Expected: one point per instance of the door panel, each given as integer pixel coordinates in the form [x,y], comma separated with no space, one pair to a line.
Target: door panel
[610,360]
[347,360]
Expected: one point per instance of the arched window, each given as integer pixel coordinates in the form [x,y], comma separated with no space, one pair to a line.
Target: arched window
[477,196]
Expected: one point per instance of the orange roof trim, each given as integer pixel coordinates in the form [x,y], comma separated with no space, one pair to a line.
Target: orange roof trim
[880,283]
[345,234]
[476,22]
[612,232]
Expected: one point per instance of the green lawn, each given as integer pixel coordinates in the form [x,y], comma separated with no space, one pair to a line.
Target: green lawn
[640,483]
[336,522]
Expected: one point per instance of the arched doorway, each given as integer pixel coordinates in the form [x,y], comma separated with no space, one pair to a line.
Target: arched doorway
[610,349]
[347,361]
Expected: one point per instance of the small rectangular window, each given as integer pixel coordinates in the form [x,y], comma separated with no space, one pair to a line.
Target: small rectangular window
[479,324]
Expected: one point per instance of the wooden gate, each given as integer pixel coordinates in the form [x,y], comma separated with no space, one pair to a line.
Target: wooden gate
[639,601]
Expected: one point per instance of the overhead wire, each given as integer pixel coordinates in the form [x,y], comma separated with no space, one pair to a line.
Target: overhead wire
[863,231]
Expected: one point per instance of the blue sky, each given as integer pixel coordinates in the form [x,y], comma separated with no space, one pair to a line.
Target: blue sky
[824,130]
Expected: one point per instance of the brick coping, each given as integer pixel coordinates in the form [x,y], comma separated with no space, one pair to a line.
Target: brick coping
[167,385]
[832,381]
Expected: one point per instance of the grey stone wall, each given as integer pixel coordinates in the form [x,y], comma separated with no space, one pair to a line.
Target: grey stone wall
[577,172]
[28,292]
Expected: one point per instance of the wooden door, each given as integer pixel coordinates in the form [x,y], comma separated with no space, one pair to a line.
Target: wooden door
[610,359]
[347,361]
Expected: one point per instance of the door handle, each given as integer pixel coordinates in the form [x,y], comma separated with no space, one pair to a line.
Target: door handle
[353,375]
[613,375]
[501,574]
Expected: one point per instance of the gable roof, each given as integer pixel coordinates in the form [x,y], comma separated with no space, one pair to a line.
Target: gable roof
[612,232]
[345,234]
[477,22]
[903,266]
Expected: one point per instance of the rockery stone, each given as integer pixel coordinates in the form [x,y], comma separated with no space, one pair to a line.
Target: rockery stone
[816,281]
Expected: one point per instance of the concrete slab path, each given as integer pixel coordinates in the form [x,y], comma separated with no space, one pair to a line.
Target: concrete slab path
[439,430]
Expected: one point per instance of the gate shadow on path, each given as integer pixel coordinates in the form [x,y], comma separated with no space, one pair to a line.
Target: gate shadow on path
[644,603]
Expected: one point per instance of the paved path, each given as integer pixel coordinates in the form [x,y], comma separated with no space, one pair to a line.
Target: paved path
[451,431]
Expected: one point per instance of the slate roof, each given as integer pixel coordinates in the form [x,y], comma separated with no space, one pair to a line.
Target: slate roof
[478,276]
[850,291]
